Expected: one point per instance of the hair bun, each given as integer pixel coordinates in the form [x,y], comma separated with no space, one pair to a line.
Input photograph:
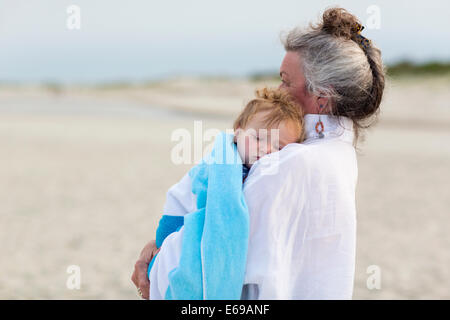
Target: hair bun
[340,23]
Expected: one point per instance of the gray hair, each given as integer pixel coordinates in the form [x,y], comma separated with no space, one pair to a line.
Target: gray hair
[337,66]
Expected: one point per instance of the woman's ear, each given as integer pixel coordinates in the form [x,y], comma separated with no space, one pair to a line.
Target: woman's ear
[323,105]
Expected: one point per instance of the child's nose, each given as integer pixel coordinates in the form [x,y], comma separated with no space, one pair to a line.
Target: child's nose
[269,148]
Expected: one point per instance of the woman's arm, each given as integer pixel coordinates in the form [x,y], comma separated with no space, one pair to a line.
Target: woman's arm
[264,194]
[302,225]
[179,202]
[274,196]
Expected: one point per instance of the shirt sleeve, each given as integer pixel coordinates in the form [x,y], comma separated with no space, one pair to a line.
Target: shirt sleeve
[179,199]
[165,261]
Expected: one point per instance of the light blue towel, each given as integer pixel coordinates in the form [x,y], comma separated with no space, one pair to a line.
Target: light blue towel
[215,238]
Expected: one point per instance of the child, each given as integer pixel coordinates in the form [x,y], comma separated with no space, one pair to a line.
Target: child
[207,206]
[272,109]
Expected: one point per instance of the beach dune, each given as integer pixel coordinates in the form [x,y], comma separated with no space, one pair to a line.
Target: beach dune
[84,172]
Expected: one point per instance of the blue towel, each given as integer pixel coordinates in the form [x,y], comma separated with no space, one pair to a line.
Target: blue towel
[215,238]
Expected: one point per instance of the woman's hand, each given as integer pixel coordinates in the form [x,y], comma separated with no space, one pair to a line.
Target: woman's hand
[139,276]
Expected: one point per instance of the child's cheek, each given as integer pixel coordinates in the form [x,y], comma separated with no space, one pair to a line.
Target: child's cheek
[253,151]
[248,148]
[243,146]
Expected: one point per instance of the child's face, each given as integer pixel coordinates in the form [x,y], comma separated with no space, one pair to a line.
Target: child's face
[256,140]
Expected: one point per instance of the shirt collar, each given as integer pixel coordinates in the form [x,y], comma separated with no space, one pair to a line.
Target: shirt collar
[333,127]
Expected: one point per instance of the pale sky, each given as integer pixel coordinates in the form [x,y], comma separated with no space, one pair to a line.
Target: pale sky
[136,40]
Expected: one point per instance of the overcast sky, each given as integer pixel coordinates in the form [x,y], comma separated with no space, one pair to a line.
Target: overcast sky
[148,39]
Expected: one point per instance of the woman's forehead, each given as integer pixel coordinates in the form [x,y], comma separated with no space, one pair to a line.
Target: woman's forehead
[290,63]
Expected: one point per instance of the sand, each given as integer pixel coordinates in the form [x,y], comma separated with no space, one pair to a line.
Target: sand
[84,173]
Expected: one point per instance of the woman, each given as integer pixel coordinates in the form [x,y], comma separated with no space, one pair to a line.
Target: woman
[303,219]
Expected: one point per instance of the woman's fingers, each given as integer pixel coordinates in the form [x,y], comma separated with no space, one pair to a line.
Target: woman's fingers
[139,276]
[143,282]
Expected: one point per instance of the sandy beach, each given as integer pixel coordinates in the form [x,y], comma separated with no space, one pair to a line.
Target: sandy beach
[84,172]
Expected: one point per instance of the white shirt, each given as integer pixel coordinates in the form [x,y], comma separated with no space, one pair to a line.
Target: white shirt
[301,203]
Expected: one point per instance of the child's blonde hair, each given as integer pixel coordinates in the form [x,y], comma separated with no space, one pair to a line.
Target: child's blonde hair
[281,106]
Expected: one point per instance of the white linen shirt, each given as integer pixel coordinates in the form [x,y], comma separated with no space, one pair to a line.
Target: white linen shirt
[301,203]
